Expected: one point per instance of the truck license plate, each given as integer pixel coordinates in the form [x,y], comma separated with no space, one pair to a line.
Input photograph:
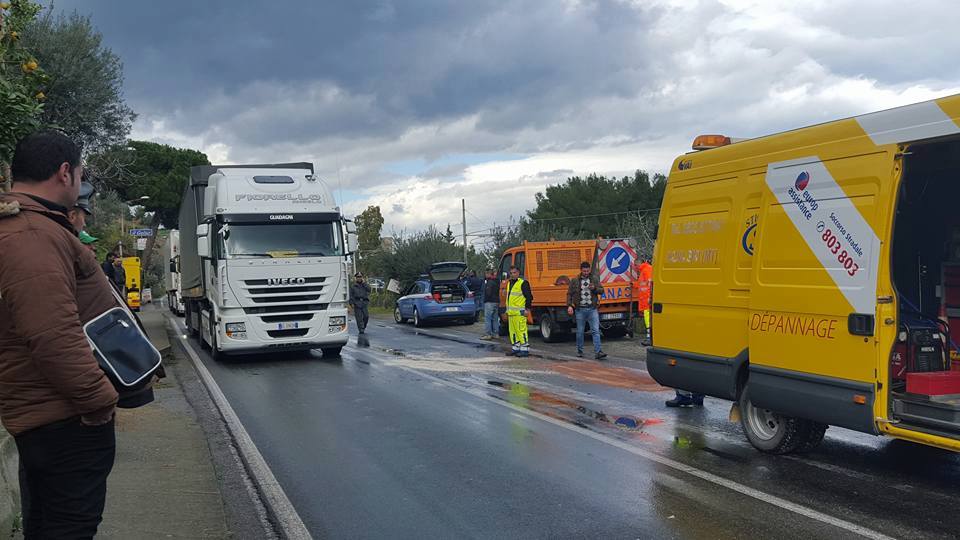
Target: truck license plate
[610,316]
[287,325]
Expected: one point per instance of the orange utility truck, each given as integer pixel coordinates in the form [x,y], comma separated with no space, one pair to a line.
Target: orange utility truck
[549,267]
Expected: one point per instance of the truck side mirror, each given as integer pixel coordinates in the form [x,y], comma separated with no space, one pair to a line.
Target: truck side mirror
[203,240]
[351,242]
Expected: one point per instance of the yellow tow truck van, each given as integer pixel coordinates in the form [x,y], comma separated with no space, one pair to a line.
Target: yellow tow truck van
[813,278]
[131,267]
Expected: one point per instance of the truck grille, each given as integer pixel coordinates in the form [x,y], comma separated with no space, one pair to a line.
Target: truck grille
[284,309]
[296,332]
[288,296]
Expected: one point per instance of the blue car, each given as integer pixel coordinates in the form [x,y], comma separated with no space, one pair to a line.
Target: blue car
[437,296]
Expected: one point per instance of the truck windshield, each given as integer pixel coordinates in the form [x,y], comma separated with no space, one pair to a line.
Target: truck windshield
[287,240]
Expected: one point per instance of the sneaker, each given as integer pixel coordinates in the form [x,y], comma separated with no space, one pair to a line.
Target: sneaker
[580,354]
[685,401]
[601,355]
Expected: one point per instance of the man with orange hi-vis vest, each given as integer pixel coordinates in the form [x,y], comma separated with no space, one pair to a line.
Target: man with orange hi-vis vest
[641,291]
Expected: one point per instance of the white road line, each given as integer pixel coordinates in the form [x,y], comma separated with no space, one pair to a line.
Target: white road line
[285,515]
[667,462]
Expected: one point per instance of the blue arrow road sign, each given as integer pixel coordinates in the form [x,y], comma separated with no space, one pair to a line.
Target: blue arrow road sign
[141,232]
[618,260]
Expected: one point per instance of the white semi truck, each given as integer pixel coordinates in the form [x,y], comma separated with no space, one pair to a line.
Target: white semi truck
[264,259]
[172,274]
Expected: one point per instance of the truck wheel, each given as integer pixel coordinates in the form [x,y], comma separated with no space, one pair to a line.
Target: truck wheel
[332,352]
[397,318]
[548,331]
[215,352]
[812,436]
[615,332]
[767,431]
[416,318]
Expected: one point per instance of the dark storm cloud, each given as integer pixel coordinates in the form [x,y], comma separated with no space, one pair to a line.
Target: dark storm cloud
[294,71]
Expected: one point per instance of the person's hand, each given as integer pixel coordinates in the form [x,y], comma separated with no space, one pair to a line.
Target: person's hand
[98,418]
[570,311]
[523,313]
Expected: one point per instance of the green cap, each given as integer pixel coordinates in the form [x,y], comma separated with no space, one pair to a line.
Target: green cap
[85,238]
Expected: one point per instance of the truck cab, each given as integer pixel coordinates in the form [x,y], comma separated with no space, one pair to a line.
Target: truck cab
[272,249]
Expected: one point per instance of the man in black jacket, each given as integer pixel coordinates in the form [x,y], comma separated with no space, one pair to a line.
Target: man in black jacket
[583,299]
[491,305]
[360,300]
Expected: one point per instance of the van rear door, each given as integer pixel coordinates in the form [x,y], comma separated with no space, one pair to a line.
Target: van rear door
[813,347]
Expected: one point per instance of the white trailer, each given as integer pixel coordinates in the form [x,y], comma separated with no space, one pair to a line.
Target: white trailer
[265,264]
[172,273]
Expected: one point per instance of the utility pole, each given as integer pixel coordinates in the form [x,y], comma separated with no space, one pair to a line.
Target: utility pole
[463,204]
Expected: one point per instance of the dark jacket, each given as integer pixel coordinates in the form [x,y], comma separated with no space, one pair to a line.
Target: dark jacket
[573,291]
[491,291]
[525,289]
[50,286]
[359,294]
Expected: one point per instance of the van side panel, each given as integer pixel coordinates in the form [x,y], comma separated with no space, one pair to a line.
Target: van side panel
[701,310]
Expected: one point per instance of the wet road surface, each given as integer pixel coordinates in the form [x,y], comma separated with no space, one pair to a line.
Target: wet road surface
[412,435]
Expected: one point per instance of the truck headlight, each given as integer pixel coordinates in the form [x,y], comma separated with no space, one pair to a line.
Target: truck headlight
[236,330]
[338,321]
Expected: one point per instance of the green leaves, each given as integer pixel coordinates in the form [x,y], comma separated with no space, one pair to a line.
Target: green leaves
[21,80]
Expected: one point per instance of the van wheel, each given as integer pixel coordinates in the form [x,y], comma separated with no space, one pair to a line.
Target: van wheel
[812,436]
[770,432]
[397,317]
[416,318]
[548,331]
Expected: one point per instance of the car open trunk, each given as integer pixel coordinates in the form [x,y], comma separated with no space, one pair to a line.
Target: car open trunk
[449,292]
[446,271]
[926,275]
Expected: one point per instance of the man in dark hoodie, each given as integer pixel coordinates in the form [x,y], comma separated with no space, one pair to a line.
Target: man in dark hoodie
[360,300]
[56,401]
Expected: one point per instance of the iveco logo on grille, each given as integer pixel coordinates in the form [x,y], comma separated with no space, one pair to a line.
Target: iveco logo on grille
[286,281]
[281,216]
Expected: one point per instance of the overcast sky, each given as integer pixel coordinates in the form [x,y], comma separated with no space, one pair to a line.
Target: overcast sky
[415,104]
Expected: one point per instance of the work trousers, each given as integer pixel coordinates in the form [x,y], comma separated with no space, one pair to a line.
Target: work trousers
[518,333]
[593,316]
[491,318]
[63,478]
[362,313]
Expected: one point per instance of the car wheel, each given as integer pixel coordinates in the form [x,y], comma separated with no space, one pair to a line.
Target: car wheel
[416,318]
[397,317]
[547,330]
[770,432]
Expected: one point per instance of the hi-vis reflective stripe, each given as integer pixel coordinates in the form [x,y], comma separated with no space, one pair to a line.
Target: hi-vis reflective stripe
[910,123]
[831,225]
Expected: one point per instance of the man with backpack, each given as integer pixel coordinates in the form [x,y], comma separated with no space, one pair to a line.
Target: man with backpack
[58,403]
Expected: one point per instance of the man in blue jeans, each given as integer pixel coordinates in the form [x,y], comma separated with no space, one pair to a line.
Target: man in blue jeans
[583,299]
[491,306]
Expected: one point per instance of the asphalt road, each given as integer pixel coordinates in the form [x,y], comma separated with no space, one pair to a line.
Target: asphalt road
[411,435]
